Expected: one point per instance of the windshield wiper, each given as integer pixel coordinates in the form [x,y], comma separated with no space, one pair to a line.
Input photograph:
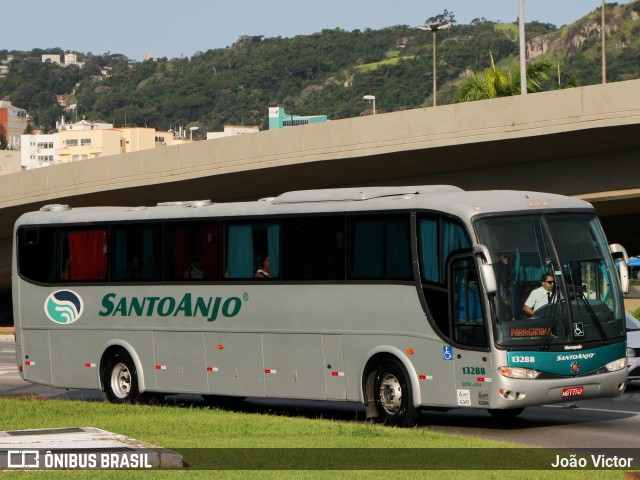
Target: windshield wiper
[596,321]
[553,320]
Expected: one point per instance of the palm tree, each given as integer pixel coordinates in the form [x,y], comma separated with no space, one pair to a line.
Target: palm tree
[494,82]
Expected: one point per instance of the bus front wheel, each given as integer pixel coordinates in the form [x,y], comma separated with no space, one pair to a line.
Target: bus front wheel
[120,381]
[393,395]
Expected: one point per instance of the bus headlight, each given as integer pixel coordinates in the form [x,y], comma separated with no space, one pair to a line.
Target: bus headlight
[518,372]
[617,365]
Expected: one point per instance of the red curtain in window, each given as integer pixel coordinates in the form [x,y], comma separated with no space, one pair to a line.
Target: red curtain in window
[97,245]
[88,255]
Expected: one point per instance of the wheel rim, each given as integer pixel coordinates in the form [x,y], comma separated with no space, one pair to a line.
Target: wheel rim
[121,380]
[390,394]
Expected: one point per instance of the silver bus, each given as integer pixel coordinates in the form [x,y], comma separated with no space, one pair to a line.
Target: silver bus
[400,298]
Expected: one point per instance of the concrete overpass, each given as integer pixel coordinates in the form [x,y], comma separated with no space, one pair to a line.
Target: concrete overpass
[583,142]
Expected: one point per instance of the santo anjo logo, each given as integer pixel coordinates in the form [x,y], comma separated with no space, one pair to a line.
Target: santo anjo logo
[63,306]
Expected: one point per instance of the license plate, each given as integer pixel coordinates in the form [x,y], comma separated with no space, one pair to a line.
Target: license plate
[573,392]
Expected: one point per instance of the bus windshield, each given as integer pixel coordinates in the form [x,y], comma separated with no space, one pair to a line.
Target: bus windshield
[557,283]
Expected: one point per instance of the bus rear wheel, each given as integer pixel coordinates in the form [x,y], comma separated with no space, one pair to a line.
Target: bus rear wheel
[120,379]
[393,396]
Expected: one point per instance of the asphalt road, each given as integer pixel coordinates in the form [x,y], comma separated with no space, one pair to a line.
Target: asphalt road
[610,423]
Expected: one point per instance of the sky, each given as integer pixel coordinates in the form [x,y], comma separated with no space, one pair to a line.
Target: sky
[180,29]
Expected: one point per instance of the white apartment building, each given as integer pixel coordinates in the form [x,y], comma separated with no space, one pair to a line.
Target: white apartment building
[39,150]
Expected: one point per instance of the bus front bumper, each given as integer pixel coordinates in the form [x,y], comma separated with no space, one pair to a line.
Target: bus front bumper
[519,393]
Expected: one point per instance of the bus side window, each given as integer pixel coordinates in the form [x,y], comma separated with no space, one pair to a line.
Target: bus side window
[248,245]
[192,251]
[314,248]
[379,247]
[137,253]
[83,255]
[38,253]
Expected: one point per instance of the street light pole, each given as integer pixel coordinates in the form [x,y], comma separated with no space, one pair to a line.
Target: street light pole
[434,27]
[523,50]
[604,52]
[435,64]
[191,130]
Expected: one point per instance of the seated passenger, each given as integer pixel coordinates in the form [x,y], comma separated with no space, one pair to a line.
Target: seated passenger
[194,271]
[66,272]
[135,271]
[264,268]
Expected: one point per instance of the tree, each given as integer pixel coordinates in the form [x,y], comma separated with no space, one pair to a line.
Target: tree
[3,142]
[495,82]
[444,17]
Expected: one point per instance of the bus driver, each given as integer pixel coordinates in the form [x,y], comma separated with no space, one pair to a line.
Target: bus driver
[541,296]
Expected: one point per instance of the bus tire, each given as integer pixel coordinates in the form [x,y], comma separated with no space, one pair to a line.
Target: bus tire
[393,395]
[505,414]
[120,380]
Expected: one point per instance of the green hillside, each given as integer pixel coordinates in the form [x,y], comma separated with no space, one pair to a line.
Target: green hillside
[325,73]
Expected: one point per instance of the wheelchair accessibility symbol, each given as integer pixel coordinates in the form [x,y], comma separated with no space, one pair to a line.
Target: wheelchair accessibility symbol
[447,352]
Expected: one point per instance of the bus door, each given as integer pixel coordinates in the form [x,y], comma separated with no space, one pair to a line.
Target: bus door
[468,333]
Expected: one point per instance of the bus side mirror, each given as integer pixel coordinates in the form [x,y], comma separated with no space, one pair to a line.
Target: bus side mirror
[488,278]
[487,274]
[618,252]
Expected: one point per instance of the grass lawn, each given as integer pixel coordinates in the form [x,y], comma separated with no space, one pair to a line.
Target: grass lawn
[183,428]
[369,67]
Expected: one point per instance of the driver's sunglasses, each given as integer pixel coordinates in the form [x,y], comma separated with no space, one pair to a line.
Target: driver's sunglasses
[551,282]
